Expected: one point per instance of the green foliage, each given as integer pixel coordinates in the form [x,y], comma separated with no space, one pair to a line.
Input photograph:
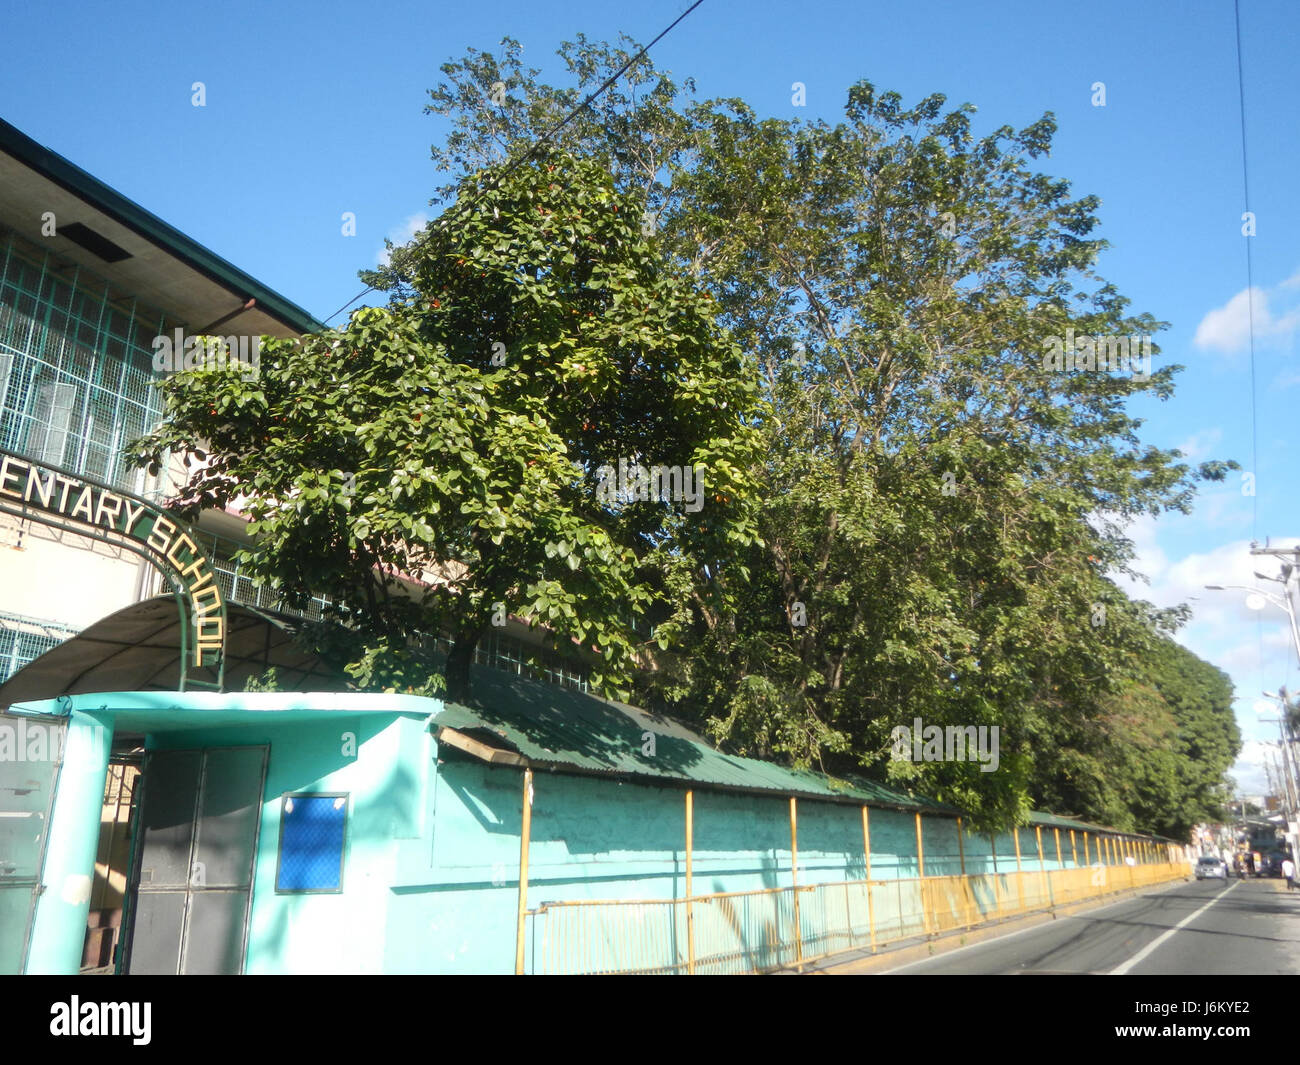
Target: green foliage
[267,682]
[909,513]
[459,435]
[940,509]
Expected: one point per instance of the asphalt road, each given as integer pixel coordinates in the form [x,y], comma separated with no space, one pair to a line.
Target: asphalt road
[1205,927]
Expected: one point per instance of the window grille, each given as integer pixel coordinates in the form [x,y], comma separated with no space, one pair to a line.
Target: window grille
[76,362]
[23,639]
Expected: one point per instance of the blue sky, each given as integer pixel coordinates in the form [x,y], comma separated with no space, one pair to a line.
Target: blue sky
[314,109]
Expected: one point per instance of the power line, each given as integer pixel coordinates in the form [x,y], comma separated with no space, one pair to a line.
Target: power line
[1250,276]
[545,137]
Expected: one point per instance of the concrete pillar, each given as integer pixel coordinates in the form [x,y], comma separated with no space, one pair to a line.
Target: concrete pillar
[59,928]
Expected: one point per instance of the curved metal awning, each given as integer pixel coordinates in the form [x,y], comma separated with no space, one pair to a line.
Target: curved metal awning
[138,649]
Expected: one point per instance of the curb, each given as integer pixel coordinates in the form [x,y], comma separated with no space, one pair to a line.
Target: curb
[909,951]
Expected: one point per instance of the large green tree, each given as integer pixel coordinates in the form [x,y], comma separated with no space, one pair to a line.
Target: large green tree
[942,507]
[1151,755]
[466,435]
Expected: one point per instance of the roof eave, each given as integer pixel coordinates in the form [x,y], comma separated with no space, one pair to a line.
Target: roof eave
[125,212]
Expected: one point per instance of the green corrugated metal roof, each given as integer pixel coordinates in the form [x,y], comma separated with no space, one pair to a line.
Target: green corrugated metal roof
[563,729]
[1046,820]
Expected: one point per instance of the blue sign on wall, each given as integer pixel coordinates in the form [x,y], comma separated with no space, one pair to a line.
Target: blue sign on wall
[312,833]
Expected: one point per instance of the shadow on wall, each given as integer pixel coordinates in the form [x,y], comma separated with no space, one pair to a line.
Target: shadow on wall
[587,727]
[304,759]
[371,823]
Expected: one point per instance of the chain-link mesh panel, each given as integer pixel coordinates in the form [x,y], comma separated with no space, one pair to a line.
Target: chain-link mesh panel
[311,843]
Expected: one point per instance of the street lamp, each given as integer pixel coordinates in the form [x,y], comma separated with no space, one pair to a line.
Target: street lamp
[1255,600]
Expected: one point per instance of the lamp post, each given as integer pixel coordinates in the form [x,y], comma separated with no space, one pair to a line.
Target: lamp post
[1256,599]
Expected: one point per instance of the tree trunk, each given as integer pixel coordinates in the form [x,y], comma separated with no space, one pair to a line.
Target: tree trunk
[459,660]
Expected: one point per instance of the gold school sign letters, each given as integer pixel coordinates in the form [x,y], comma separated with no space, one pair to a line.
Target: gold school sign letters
[80,505]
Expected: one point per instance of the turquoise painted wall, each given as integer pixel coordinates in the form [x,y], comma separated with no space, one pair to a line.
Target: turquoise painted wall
[386,781]
[430,881]
[456,899]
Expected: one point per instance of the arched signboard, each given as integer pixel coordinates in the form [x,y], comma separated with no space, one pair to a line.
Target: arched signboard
[77,504]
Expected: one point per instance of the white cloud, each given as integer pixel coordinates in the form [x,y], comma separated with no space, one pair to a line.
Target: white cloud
[1201,445]
[402,234]
[1227,328]
[1254,648]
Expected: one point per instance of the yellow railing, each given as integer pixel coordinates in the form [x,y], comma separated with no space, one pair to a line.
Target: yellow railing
[758,931]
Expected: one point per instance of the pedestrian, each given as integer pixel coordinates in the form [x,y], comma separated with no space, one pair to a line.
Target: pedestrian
[1288,871]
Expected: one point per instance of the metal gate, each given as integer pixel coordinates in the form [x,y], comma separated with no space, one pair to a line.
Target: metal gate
[196,844]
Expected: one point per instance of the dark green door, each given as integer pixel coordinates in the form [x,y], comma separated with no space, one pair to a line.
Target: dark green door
[194,875]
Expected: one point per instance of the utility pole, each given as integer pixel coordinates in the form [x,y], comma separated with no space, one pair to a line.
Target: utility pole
[1293,553]
[1256,600]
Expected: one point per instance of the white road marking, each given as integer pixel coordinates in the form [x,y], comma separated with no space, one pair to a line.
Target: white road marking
[1084,915]
[1145,952]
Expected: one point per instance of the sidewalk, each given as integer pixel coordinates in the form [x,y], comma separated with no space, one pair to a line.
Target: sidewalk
[863,962]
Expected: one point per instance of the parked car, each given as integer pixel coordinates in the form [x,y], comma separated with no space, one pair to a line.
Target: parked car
[1209,868]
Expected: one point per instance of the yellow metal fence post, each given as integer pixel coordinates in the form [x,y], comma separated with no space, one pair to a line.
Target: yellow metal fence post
[525,833]
[967,891]
[1060,863]
[1020,885]
[871,904]
[1087,863]
[1074,851]
[997,879]
[1043,882]
[794,876]
[920,875]
[690,916]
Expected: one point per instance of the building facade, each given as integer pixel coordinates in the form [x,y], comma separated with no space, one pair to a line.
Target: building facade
[88,280]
